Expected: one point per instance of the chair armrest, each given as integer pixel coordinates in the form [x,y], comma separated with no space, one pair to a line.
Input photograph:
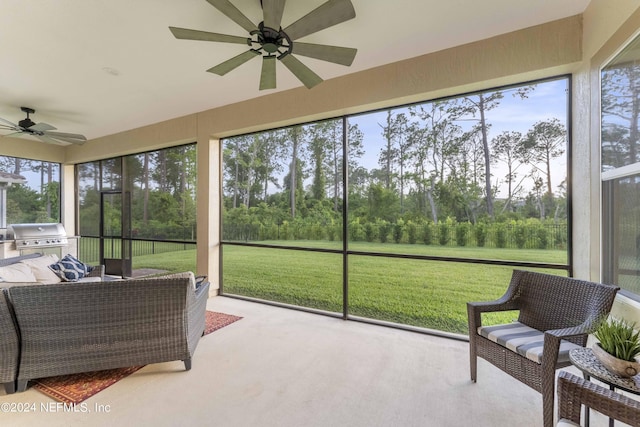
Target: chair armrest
[475,309]
[502,304]
[98,271]
[581,330]
[571,332]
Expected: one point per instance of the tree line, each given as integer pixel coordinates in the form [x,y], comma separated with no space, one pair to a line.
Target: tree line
[436,161]
[26,204]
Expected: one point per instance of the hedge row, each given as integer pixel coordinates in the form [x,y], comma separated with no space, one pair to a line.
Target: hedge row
[526,234]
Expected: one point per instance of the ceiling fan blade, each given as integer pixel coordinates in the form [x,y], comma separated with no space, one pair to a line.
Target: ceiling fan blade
[272,12]
[14,134]
[12,125]
[70,136]
[40,127]
[47,139]
[326,15]
[230,64]
[268,74]
[301,71]
[234,14]
[335,54]
[187,34]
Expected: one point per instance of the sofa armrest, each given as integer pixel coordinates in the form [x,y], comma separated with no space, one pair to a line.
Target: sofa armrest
[196,315]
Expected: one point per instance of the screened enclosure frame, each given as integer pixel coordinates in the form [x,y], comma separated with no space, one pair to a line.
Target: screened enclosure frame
[346,252]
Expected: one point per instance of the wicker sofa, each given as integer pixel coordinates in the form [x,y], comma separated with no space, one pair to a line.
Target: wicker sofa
[9,345]
[73,327]
[82,327]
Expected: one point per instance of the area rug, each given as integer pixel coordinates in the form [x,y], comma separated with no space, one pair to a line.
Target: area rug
[75,388]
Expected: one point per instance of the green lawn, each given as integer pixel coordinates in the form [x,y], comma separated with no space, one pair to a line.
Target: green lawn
[171,261]
[430,294]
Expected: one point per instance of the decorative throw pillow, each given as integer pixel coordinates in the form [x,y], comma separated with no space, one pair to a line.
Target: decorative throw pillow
[70,268]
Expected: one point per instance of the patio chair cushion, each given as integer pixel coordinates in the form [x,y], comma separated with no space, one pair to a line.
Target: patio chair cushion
[524,340]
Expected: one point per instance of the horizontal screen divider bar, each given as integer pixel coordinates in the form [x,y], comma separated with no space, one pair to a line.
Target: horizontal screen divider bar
[408,256]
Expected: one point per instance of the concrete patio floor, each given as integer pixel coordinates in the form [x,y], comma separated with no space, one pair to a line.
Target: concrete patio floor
[281,367]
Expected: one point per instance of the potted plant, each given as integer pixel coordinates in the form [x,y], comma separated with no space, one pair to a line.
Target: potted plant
[618,346]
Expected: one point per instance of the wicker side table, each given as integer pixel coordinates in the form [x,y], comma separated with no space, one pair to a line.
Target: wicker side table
[584,359]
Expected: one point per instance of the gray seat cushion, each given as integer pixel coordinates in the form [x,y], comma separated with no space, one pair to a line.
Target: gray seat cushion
[524,340]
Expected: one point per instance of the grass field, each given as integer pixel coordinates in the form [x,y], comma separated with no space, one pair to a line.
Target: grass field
[430,294]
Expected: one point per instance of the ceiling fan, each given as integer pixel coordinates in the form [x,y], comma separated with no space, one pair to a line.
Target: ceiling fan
[269,40]
[42,131]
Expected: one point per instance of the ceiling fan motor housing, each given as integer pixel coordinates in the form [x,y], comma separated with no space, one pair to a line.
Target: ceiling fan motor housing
[26,123]
[272,40]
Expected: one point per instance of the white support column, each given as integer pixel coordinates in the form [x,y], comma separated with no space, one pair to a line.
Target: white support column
[3,205]
[208,212]
[68,199]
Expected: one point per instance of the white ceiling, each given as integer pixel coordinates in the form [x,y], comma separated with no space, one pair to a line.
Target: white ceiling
[100,67]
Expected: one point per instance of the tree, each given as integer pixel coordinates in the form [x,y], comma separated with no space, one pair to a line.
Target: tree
[433,146]
[546,141]
[479,104]
[383,203]
[475,107]
[272,149]
[509,148]
[145,186]
[296,136]
[318,146]
[621,114]
[389,153]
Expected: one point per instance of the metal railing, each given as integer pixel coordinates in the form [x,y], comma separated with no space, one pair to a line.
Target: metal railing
[89,247]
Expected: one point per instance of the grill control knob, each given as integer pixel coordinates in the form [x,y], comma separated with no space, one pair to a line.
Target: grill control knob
[36,242]
[25,243]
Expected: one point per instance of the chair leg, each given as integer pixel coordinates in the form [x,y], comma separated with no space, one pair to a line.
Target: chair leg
[473,360]
[548,391]
[22,385]
[10,387]
[187,364]
[474,368]
[547,409]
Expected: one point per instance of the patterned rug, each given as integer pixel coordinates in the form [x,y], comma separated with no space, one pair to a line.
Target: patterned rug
[75,388]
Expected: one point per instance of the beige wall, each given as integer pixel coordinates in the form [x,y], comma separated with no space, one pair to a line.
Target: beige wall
[606,30]
[547,50]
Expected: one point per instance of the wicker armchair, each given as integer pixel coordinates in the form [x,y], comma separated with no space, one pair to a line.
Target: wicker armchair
[555,314]
[573,392]
[9,345]
[68,328]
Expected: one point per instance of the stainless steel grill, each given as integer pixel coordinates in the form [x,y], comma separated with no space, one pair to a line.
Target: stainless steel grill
[46,235]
